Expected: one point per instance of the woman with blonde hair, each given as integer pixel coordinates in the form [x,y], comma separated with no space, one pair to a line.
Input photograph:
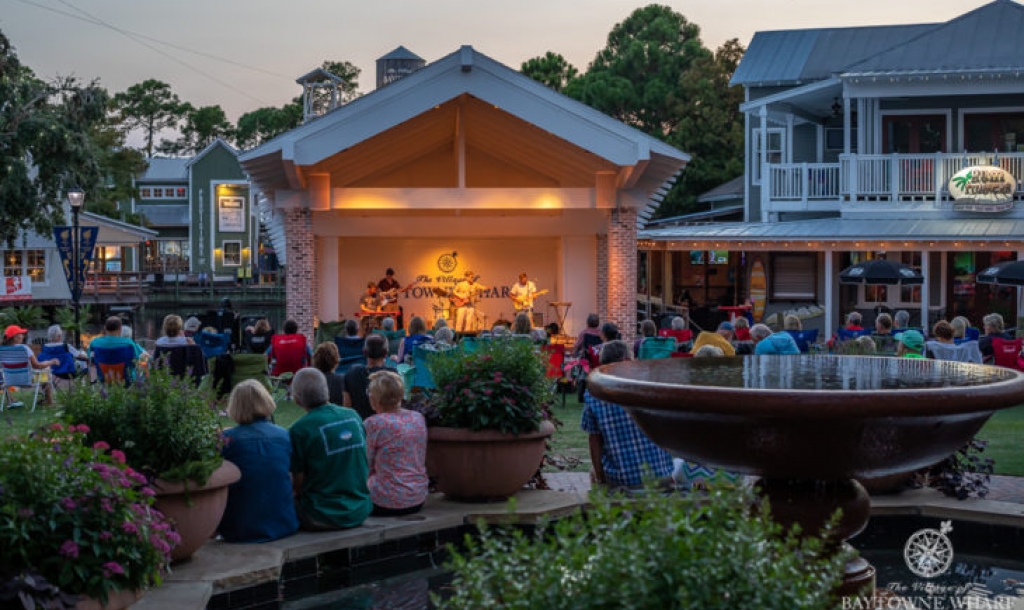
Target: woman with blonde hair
[396,448]
[260,507]
[174,332]
[792,322]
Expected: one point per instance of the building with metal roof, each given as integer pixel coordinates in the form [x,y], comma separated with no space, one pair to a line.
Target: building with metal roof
[864,142]
[463,165]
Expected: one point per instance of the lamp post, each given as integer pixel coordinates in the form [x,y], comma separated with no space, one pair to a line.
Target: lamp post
[76,197]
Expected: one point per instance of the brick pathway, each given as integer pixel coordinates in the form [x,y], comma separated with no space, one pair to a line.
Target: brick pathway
[1002,488]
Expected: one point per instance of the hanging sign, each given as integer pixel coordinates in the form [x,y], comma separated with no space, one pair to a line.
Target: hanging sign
[231,214]
[982,188]
[16,288]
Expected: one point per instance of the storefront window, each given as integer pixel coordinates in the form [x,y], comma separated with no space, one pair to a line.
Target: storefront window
[232,253]
[990,132]
[26,262]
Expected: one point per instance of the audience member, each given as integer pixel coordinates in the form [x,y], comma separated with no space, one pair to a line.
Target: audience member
[357,378]
[589,336]
[901,319]
[258,340]
[647,329]
[960,325]
[522,324]
[620,453]
[56,346]
[609,332]
[417,330]
[911,344]
[792,322]
[766,342]
[329,467]
[944,347]
[15,335]
[112,337]
[722,338]
[883,324]
[444,338]
[174,333]
[992,325]
[260,505]
[396,448]
[741,328]
[325,360]
[853,321]
[708,351]
[192,326]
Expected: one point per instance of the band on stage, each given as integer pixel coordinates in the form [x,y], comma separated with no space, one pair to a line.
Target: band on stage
[381,300]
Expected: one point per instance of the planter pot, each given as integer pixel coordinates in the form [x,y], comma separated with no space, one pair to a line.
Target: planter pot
[485,465]
[196,513]
[115,601]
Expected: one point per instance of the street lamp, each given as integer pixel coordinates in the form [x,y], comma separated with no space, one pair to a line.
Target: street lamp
[76,197]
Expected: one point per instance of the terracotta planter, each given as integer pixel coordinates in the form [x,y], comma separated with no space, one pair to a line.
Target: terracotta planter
[115,601]
[196,513]
[485,465]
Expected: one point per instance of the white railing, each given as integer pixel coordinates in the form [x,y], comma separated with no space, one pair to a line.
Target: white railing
[803,181]
[894,178]
[922,177]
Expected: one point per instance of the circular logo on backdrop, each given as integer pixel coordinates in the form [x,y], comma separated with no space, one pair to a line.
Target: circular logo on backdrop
[448,262]
[929,552]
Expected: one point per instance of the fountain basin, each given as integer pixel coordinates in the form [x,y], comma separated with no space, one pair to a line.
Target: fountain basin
[809,417]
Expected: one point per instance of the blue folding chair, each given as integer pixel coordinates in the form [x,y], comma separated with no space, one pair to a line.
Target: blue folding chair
[350,349]
[114,364]
[213,344]
[804,338]
[18,372]
[844,334]
[654,348]
[66,369]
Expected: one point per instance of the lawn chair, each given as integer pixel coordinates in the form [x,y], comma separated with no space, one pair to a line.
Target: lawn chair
[394,338]
[684,338]
[182,360]
[350,349]
[289,352]
[67,369]
[213,344]
[18,372]
[555,356]
[114,364]
[1006,351]
[804,338]
[654,348]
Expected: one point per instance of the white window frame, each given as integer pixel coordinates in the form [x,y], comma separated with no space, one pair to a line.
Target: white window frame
[893,294]
[758,152]
[224,252]
[151,195]
[24,264]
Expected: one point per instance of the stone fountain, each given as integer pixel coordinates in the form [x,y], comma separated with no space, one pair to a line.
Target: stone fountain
[807,425]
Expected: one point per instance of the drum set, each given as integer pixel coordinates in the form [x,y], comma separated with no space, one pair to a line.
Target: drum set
[444,309]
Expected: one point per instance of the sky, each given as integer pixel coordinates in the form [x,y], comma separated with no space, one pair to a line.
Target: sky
[246,54]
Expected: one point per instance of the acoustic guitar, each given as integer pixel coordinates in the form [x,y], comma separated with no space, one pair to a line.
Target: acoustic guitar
[458,301]
[520,302]
[390,296]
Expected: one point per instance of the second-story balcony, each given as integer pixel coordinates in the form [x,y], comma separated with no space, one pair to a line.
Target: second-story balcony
[873,181]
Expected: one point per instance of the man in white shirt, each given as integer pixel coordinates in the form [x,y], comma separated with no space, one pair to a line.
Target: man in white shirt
[464,296]
[522,293]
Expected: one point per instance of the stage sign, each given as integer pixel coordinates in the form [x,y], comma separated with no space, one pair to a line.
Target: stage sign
[16,288]
[231,214]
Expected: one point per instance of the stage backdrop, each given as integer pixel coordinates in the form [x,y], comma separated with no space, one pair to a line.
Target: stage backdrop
[440,263]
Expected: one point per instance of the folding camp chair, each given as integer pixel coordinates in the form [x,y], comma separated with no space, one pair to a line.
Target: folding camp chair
[554,354]
[654,348]
[183,360]
[804,338]
[350,350]
[213,344]
[114,364]
[18,372]
[1006,352]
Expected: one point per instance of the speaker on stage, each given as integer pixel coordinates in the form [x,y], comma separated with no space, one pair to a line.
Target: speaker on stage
[538,319]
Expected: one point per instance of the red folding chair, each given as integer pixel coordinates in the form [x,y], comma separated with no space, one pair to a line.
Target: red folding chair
[555,354]
[1006,351]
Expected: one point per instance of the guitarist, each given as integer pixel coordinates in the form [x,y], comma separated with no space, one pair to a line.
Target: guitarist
[522,294]
[389,289]
[464,297]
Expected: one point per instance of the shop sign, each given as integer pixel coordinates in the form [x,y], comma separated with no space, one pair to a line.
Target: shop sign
[982,188]
[16,288]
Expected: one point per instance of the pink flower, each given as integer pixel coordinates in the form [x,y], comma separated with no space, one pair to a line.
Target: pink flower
[130,527]
[118,455]
[147,491]
[101,445]
[81,428]
[69,549]
[105,535]
[112,567]
[68,504]
[56,426]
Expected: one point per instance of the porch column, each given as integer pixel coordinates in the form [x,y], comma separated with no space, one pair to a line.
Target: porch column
[602,282]
[830,304]
[763,156]
[925,288]
[622,260]
[301,293]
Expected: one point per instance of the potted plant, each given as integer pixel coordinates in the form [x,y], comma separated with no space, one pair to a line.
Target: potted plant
[169,431]
[492,406]
[78,526]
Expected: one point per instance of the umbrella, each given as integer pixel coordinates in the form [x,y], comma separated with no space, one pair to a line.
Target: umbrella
[880,271]
[1010,274]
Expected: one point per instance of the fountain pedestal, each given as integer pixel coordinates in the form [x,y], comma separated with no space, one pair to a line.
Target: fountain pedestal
[809,424]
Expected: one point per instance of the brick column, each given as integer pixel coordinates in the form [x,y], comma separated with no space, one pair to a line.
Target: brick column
[622,260]
[602,277]
[301,294]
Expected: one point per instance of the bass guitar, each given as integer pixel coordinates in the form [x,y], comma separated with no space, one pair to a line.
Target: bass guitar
[521,301]
[390,296]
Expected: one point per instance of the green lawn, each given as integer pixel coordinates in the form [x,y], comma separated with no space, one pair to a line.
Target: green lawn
[1005,436]
[569,445]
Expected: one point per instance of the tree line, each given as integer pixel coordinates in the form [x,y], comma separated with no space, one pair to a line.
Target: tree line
[654,74]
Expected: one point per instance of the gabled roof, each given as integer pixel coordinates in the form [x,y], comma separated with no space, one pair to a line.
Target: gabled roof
[792,57]
[401,53]
[160,169]
[733,189]
[987,39]
[318,75]
[216,143]
[466,72]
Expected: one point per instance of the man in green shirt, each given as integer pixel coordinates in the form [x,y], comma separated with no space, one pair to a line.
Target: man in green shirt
[329,467]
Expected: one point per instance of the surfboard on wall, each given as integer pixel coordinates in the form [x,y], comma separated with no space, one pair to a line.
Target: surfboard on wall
[758,288]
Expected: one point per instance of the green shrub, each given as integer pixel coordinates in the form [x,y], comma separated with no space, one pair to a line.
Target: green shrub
[500,386]
[29,316]
[165,427]
[654,552]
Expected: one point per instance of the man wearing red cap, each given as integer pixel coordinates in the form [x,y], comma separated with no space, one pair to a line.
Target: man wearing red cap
[14,336]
